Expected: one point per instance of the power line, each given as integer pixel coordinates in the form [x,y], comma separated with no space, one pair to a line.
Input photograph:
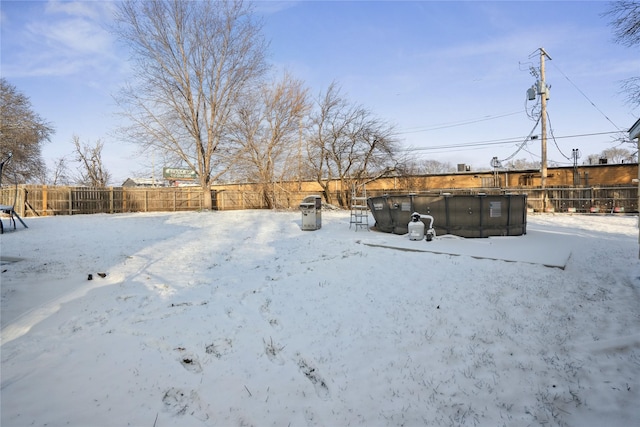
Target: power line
[587,98]
[463,145]
[554,138]
[487,143]
[419,129]
[524,143]
[588,134]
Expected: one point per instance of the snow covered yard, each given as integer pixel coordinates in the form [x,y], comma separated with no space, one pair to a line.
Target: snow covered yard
[242,319]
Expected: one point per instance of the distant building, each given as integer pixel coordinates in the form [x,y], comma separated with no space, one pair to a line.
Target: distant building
[143,182]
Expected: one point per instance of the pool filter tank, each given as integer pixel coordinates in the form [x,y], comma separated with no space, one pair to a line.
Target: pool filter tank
[416,227]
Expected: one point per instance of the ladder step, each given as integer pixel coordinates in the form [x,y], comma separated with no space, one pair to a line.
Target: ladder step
[359,208]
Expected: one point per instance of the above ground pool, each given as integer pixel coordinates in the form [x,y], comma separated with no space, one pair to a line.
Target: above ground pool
[461,215]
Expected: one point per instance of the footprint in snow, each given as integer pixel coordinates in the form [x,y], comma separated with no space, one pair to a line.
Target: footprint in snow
[312,418]
[219,348]
[309,371]
[265,311]
[189,361]
[273,351]
[181,402]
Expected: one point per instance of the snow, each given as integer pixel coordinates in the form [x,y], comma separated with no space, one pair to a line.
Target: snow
[240,318]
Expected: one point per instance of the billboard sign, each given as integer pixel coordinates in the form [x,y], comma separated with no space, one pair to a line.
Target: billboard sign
[179,174]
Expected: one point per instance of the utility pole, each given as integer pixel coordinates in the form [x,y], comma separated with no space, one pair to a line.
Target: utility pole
[543,92]
[543,119]
[576,173]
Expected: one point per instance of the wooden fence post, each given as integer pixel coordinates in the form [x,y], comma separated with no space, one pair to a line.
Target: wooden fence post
[44,200]
[23,205]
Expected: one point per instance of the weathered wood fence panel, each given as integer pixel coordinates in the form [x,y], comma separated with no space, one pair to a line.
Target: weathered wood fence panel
[33,200]
[44,200]
[595,199]
[247,199]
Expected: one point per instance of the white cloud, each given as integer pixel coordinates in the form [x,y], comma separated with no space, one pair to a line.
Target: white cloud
[72,37]
[62,39]
[268,7]
[93,10]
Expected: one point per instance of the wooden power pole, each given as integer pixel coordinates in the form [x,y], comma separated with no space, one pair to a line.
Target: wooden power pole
[543,92]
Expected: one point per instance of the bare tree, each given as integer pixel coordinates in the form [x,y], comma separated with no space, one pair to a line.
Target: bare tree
[625,20]
[617,155]
[59,174]
[592,159]
[522,164]
[349,144]
[434,166]
[267,129]
[92,171]
[193,61]
[612,156]
[22,134]
[413,166]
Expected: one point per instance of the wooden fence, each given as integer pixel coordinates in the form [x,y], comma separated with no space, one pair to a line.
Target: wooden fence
[595,199]
[39,200]
[45,200]
[616,199]
[31,200]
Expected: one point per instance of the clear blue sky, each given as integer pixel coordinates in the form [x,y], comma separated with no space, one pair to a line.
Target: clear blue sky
[447,74]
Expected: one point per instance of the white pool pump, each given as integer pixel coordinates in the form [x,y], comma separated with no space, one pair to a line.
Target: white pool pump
[416,227]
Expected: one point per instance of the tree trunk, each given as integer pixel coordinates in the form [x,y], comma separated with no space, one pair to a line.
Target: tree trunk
[207,202]
[267,196]
[206,196]
[325,191]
